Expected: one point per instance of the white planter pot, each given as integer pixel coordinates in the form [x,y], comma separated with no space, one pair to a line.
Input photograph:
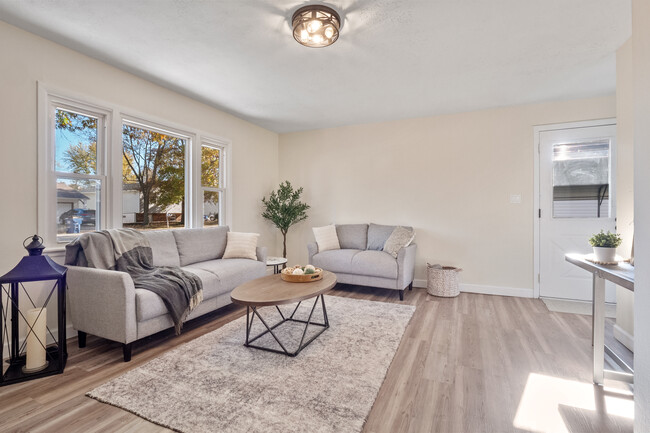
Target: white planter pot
[604,254]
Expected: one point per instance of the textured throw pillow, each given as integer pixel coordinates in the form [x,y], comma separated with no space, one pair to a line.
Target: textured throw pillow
[400,238]
[241,246]
[326,238]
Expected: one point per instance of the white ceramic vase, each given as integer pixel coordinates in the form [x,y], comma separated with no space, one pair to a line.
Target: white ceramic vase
[605,254]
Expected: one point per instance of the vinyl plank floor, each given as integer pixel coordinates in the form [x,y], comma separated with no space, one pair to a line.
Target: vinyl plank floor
[475,363]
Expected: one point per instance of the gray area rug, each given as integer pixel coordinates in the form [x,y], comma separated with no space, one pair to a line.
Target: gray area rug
[215,384]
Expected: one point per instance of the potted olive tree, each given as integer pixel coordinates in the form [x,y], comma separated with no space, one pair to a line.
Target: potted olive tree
[605,245]
[284,209]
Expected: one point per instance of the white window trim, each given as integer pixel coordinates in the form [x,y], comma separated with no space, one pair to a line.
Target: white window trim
[47,174]
[111,161]
[224,180]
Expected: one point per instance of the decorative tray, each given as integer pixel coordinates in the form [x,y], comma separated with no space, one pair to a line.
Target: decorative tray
[287,274]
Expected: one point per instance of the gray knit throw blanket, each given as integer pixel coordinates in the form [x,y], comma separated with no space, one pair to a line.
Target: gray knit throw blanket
[127,250]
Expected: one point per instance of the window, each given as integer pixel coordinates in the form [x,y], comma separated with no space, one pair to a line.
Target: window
[140,173]
[77,170]
[153,178]
[581,180]
[212,184]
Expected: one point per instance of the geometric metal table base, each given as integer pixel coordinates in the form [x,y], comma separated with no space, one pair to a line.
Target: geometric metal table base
[251,312]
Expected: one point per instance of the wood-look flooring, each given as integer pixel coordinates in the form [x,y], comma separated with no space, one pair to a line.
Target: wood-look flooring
[464,365]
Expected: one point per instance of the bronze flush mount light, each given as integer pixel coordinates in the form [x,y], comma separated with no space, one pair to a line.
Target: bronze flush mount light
[316,26]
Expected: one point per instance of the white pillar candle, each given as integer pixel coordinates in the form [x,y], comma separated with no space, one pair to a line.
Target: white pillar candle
[35,348]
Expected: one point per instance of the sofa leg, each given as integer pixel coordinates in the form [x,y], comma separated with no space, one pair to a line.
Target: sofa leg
[411,286]
[81,339]
[126,351]
[401,295]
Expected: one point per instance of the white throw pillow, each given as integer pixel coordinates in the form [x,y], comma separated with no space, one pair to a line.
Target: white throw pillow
[326,238]
[400,238]
[241,246]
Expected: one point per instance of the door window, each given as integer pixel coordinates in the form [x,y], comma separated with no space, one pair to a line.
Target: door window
[581,173]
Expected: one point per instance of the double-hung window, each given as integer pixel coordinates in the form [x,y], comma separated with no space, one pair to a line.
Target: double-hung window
[72,191]
[212,183]
[100,168]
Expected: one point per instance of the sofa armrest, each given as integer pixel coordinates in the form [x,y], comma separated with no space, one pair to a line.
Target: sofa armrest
[261,254]
[312,249]
[406,266]
[102,303]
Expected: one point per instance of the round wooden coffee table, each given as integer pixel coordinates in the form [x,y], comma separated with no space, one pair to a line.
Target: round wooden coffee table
[273,291]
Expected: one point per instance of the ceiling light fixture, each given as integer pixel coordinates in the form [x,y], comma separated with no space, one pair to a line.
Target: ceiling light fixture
[316,26]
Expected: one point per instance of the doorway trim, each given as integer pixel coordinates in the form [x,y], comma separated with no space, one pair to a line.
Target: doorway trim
[536,201]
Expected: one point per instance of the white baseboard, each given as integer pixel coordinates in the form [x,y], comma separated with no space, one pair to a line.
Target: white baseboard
[486,290]
[624,337]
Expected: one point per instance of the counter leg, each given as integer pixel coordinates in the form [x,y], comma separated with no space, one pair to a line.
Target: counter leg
[598,332]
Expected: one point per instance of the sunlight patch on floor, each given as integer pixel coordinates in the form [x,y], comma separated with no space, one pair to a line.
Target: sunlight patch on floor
[540,405]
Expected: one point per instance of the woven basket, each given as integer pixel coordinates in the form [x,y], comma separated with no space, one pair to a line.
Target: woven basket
[442,280]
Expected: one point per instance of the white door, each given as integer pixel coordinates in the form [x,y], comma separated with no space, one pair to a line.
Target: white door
[577,199]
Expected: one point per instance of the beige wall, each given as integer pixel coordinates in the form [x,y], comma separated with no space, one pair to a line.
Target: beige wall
[624,329]
[641,55]
[26,59]
[450,177]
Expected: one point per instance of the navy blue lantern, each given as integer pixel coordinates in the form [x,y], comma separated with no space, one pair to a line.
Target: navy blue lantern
[32,357]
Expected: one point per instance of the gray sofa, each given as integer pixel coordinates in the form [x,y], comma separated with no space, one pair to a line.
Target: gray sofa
[361,260]
[106,304]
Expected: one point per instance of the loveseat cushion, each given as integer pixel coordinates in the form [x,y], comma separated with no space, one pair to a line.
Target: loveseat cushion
[374,264]
[377,236]
[163,247]
[352,236]
[335,260]
[199,245]
[357,262]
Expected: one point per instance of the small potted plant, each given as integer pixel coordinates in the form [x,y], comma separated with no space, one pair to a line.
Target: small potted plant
[605,245]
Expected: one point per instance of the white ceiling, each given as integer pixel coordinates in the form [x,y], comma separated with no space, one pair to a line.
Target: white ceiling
[394,59]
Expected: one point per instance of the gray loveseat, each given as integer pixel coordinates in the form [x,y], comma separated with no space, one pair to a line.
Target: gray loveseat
[361,260]
[106,304]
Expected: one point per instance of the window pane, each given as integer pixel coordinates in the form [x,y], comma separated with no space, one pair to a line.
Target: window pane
[75,137]
[211,208]
[153,179]
[210,167]
[77,207]
[581,180]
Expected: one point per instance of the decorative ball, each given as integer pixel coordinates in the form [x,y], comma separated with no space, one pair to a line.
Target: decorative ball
[310,267]
[309,270]
[298,272]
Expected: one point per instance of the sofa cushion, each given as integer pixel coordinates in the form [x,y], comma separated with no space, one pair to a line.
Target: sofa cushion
[199,245]
[163,247]
[230,272]
[377,236]
[352,236]
[218,277]
[149,305]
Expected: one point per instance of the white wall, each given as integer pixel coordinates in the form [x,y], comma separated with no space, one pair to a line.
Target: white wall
[641,50]
[624,328]
[448,176]
[26,59]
